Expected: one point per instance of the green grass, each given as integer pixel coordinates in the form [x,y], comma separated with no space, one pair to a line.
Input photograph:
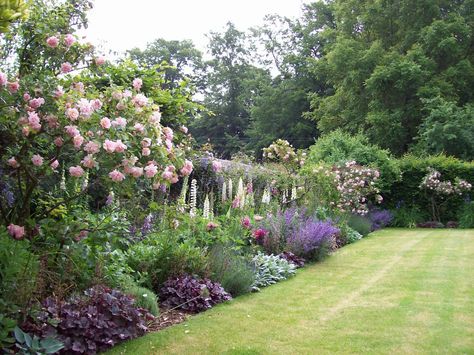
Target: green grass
[396,291]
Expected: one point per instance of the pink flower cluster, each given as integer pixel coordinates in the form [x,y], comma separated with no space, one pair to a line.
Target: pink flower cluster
[281,150]
[432,181]
[356,185]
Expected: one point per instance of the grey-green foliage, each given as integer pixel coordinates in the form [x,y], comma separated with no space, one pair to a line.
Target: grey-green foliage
[352,235]
[360,224]
[270,269]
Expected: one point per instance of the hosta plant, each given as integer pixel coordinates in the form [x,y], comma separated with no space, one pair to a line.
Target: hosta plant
[270,269]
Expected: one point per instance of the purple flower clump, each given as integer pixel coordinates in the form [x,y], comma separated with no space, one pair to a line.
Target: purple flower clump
[313,239]
[380,219]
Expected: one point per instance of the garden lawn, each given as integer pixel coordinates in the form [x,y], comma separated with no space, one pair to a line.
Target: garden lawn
[396,291]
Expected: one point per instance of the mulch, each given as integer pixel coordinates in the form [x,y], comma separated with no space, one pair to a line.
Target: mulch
[168,318]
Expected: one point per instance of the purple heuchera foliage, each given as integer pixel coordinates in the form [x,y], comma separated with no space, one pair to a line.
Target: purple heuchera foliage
[92,323]
[191,294]
[380,218]
[312,238]
[292,258]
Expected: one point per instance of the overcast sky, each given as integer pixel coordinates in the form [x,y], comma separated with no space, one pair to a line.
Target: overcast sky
[119,25]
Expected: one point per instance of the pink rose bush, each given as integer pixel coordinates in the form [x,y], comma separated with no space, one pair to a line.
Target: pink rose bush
[113,134]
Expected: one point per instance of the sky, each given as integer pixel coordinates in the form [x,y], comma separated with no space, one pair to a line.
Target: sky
[119,25]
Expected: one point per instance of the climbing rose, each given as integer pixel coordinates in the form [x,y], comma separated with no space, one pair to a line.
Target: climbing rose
[72,114]
[105,123]
[54,164]
[109,146]
[13,87]
[137,84]
[146,152]
[52,41]
[100,61]
[187,169]
[13,163]
[76,171]
[151,170]
[58,141]
[116,175]
[66,67]
[37,160]
[92,147]
[69,40]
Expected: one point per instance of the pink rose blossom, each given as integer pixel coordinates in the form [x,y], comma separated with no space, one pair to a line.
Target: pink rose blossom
[36,102]
[89,161]
[34,121]
[109,146]
[92,147]
[79,86]
[3,79]
[117,95]
[69,40]
[66,67]
[13,163]
[52,121]
[169,145]
[151,170]
[100,61]
[146,152]
[85,107]
[26,96]
[155,118]
[58,141]
[137,84]
[37,160]
[72,131]
[127,94]
[136,172]
[120,106]
[105,123]
[140,100]
[52,42]
[168,132]
[116,175]
[120,147]
[13,87]
[211,226]
[119,122]
[139,128]
[78,140]
[146,142]
[72,114]
[96,104]
[54,164]
[16,231]
[187,169]
[76,171]
[58,92]
[25,131]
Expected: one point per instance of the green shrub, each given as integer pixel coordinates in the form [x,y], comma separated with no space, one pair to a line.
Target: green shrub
[339,147]
[466,216]
[406,192]
[231,270]
[408,217]
[162,256]
[360,224]
[18,272]
[144,298]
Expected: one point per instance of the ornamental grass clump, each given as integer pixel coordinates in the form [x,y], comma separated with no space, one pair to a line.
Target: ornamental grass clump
[191,294]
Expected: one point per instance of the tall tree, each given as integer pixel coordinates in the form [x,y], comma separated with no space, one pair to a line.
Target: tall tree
[180,60]
[389,58]
[232,85]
